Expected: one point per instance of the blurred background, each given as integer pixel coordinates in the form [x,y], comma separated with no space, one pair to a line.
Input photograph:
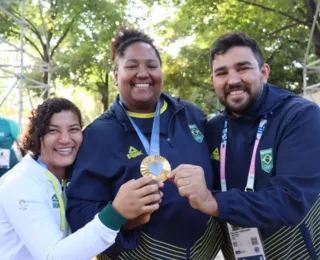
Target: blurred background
[62,48]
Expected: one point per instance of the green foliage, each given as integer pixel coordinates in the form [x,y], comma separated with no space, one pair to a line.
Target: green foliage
[281,28]
[74,36]
[77,38]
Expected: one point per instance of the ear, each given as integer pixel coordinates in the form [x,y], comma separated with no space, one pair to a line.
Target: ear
[212,81]
[265,71]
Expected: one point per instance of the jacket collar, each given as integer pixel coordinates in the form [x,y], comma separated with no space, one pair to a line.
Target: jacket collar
[117,111]
[30,162]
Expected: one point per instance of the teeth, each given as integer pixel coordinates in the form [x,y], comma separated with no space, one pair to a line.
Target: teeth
[65,150]
[142,85]
[237,92]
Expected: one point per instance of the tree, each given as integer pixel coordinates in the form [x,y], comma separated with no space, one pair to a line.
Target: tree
[281,27]
[86,61]
[303,14]
[69,34]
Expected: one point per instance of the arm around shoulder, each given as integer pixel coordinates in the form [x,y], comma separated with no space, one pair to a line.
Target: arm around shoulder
[91,185]
[31,218]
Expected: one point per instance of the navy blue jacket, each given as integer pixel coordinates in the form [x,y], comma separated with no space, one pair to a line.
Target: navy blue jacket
[110,156]
[285,205]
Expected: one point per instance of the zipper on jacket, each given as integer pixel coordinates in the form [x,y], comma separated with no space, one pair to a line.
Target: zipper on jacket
[170,124]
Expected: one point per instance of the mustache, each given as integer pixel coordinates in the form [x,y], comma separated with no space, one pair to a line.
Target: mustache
[237,87]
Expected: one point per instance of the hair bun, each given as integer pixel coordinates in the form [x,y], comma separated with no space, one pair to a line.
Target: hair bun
[125,37]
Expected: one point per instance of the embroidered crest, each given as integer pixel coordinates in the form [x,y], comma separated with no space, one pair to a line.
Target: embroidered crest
[196,133]
[23,205]
[55,202]
[266,160]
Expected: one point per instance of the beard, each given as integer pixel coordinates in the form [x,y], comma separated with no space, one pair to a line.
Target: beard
[242,105]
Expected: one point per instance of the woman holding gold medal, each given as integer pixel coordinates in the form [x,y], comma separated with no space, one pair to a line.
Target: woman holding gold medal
[144,132]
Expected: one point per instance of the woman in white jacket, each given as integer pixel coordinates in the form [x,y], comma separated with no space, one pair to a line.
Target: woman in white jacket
[33,225]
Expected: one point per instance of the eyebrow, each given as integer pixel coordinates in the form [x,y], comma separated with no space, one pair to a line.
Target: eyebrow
[51,125]
[136,60]
[238,64]
[74,125]
[242,63]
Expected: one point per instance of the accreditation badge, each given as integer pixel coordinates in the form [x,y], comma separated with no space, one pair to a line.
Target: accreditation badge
[4,158]
[246,243]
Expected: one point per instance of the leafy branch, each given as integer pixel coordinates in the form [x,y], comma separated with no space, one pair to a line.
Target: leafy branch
[274,11]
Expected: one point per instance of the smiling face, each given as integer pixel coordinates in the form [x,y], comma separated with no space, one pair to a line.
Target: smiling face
[237,78]
[59,146]
[139,78]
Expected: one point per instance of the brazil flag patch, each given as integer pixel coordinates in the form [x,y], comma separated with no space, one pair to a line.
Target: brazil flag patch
[266,160]
[196,133]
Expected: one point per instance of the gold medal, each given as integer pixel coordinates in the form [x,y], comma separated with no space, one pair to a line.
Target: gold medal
[156,166]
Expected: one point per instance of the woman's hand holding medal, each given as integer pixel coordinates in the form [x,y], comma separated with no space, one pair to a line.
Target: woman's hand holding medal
[138,197]
[137,200]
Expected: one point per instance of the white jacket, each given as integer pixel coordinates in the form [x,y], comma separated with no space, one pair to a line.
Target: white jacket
[30,220]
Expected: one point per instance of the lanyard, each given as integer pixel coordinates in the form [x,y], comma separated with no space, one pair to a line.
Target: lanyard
[58,194]
[152,148]
[223,151]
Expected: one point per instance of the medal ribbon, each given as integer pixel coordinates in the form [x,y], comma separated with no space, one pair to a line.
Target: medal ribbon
[152,148]
[223,153]
[61,198]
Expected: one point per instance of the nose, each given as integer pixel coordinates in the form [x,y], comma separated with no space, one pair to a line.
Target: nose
[64,137]
[234,79]
[142,72]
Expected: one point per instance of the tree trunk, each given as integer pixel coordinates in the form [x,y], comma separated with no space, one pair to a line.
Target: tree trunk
[103,88]
[45,77]
[105,98]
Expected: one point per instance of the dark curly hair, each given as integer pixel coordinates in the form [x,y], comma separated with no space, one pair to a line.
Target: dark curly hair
[233,39]
[126,37]
[39,122]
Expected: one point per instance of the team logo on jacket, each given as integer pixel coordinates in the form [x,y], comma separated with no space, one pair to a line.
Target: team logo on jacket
[196,133]
[23,205]
[215,154]
[55,202]
[266,160]
[133,153]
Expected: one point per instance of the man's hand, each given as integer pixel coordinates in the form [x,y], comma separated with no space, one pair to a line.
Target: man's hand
[138,197]
[191,183]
